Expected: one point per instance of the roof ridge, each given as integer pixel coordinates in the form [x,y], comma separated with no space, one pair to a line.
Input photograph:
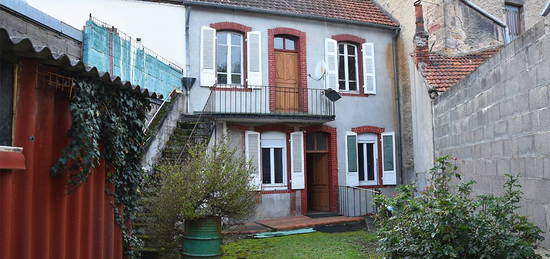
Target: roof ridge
[361,12]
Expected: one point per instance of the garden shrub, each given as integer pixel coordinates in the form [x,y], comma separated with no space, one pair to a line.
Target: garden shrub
[211,181]
[446,222]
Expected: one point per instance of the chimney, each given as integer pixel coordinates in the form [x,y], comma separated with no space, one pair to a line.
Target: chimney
[421,36]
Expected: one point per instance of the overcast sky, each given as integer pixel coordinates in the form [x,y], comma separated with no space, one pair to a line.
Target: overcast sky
[160,26]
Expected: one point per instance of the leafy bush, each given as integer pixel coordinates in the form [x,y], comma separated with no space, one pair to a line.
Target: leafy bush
[209,182]
[444,223]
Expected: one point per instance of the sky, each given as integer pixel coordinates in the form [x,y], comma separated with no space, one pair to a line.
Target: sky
[160,26]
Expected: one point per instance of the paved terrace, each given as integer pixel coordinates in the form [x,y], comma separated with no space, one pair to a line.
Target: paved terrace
[288,223]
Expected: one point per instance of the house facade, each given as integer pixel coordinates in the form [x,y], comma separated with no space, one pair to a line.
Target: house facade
[268,74]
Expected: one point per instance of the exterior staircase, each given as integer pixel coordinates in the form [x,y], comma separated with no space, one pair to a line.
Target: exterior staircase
[189,130]
[183,133]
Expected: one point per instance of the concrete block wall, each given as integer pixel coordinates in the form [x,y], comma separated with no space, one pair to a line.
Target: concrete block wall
[59,43]
[497,121]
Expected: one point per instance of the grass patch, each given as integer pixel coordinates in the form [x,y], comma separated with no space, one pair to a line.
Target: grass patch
[358,244]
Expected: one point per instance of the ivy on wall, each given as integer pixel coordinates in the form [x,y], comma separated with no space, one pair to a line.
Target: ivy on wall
[107,125]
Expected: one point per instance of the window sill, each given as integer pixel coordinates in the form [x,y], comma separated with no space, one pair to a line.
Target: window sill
[354,94]
[269,188]
[272,190]
[234,88]
[377,186]
[12,158]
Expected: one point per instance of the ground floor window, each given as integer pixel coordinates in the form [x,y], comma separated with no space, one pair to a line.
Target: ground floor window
[273,159]
[272,165]
[367,156]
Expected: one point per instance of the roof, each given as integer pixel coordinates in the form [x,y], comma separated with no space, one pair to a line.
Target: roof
[24,47]
[22,8]
[366,12]
[443,71]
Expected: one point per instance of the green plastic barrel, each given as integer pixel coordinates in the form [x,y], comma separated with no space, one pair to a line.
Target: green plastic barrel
[202,238]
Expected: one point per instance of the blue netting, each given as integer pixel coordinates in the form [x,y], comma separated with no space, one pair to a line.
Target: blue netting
[114,52]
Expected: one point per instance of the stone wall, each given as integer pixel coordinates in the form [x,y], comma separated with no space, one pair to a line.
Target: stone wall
[497,121]
[532,10]
[456,28]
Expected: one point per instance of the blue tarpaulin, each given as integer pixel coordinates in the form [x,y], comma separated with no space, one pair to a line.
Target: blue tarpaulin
[109,50]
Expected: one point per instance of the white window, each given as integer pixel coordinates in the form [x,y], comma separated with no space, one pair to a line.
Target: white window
[348,79]
[252,152]
[229,56]
[367,154]
[389,176]
[273,159]
[352,176]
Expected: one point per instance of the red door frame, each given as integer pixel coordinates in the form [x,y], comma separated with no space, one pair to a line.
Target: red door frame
[332,163]
[302,65]
[378,131]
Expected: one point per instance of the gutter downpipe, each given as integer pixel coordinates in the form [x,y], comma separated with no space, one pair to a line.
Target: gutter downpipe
[187,56]
[398,98]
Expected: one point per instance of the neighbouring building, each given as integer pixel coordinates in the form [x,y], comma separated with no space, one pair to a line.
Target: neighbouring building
[476,77]
[39,67]
[269,73]
[456,36]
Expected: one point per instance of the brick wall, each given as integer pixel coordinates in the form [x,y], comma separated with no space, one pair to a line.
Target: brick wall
[497,121]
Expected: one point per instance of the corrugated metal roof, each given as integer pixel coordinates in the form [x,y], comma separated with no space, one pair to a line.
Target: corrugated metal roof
[24,47]
[40,17]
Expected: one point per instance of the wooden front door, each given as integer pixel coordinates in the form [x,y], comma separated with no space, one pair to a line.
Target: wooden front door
[286,81]
[318,181]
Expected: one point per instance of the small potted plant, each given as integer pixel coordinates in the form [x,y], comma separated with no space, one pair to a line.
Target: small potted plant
[211,183]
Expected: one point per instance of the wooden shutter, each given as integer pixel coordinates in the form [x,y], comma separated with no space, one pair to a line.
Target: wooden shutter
[208,57]
[369,68]
[388,159]
[254,58]
[252,152]
[331,58]
[297,159]
[352,176]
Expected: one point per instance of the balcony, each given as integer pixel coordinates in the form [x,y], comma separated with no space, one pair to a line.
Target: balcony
[269,103]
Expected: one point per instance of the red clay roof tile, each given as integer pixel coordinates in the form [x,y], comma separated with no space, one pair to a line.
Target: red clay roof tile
[353,10]
[443,71]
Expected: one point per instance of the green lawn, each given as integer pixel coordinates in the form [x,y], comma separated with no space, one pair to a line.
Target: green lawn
[359,244]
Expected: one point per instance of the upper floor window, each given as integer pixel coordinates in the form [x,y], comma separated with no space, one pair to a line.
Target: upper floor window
[284,43]
[229,57]
[347,67]
[514,19]
[6,103]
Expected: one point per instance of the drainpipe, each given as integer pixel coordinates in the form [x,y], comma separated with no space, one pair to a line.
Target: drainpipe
[398,99]
[187,57]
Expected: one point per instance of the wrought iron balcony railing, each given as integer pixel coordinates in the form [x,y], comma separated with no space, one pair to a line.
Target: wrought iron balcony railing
[308,103]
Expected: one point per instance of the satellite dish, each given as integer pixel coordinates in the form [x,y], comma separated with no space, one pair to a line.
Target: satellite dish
[320,70]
